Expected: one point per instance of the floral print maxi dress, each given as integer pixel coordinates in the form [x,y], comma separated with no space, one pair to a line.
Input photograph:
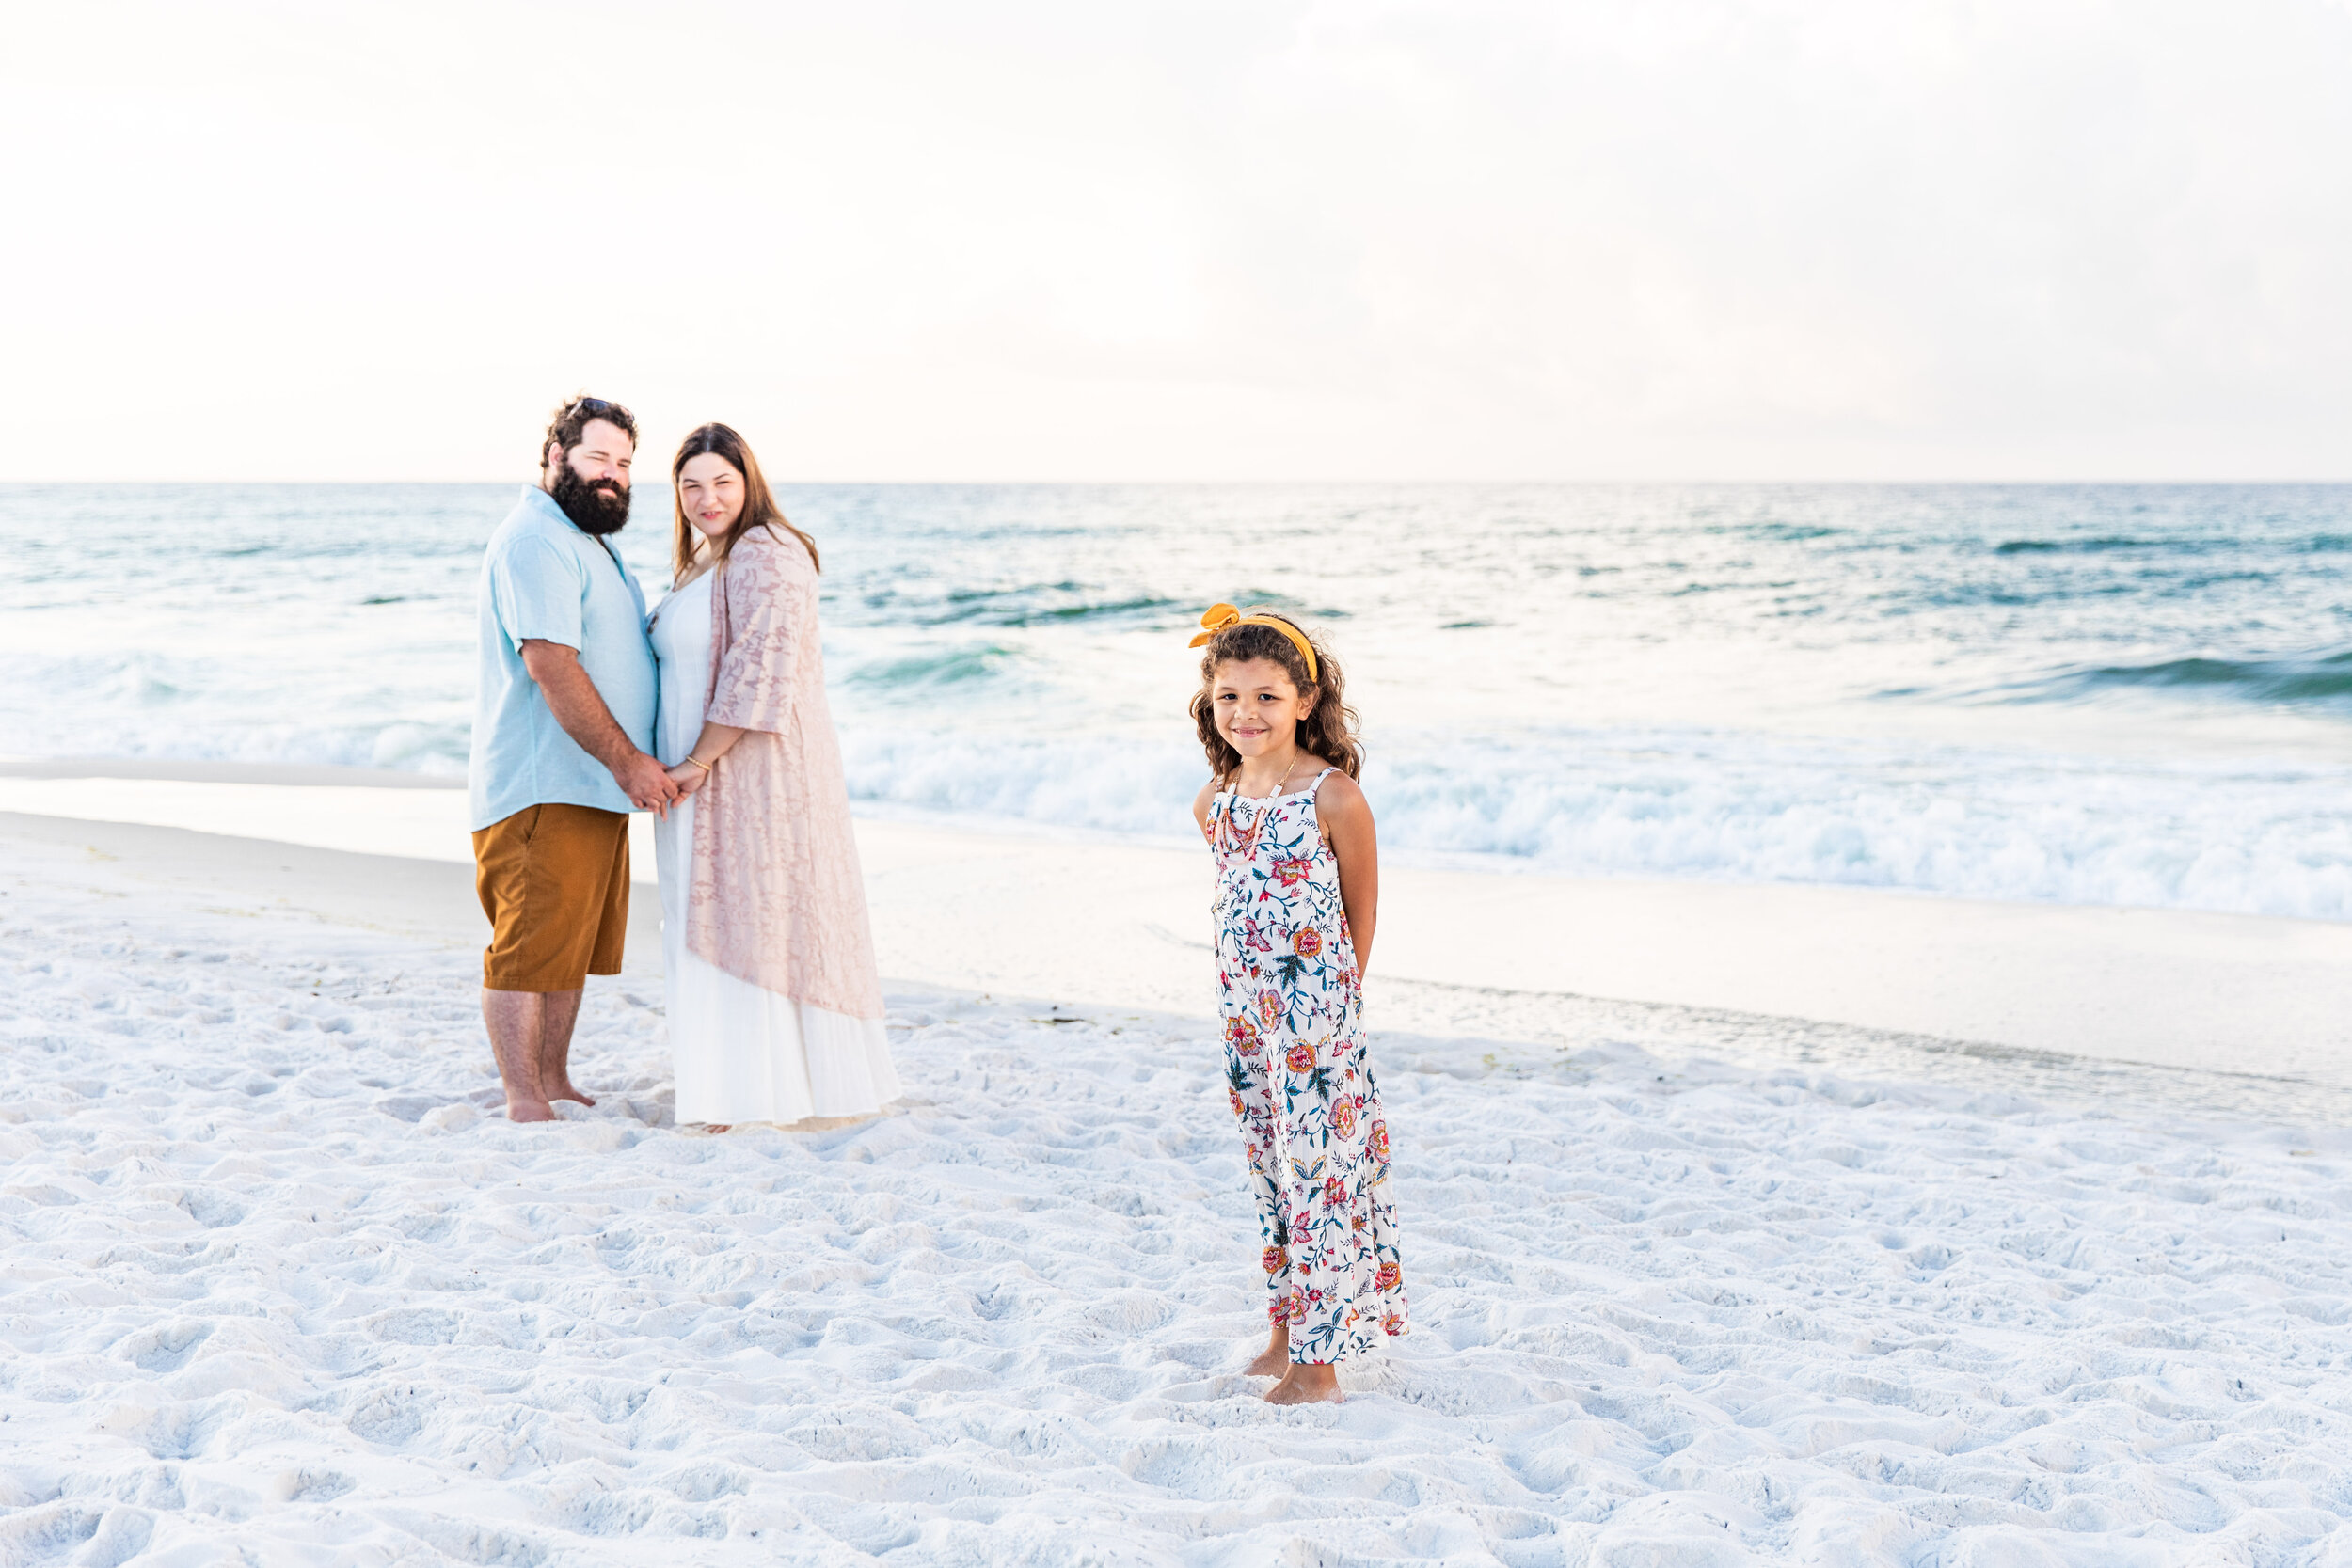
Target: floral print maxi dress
[1311,1116]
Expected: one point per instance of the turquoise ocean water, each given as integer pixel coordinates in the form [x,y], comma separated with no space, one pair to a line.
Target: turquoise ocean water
[2092,694]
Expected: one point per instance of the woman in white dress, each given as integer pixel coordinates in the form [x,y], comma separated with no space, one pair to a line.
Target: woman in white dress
[774,1007]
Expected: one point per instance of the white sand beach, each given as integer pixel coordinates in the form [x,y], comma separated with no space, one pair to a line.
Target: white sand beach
[1742,1224]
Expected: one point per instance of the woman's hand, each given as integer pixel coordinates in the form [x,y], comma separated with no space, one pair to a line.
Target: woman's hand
[687,778]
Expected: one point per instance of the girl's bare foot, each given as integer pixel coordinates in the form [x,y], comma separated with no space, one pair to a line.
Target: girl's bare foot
[1275,1360]
[1306,1382]
[718,1125]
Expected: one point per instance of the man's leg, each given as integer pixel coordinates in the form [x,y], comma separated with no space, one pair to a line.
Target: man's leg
[562,1010]
[517,1022]
[600,843]
[545,876]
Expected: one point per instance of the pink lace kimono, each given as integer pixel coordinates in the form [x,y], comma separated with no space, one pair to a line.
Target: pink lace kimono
[776,898]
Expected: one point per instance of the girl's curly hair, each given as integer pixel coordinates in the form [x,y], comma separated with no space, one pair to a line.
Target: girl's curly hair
[1328,731]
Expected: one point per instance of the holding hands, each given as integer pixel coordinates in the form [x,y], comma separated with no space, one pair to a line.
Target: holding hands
[693,772]
[647,784]
[572,697]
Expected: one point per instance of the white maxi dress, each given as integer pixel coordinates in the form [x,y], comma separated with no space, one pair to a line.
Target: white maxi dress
[741,1052]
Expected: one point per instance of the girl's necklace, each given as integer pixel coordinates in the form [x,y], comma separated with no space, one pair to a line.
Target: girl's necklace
[1245,839]
[1279,784]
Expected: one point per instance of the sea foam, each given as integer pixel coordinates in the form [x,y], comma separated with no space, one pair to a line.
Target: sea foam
[1726,808]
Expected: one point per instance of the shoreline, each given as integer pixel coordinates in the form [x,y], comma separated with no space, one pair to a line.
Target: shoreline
[1458,954]
[197,770]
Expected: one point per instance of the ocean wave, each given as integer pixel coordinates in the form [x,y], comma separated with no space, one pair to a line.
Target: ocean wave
[438,751]
[1797,533]
[1675,805]
[1038,605]
[1963,824]
[2078,547]
[1972,825]
[908,674]
[2186,546]
[2308,679]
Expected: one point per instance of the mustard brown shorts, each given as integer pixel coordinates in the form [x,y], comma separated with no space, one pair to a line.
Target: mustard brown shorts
[554,881]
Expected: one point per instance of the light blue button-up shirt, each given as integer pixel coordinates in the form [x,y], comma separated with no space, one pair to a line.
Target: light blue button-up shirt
[543,577]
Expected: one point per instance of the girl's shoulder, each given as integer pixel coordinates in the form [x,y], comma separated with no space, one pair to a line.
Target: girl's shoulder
[1336,794]
[1203,802]
[1336,785]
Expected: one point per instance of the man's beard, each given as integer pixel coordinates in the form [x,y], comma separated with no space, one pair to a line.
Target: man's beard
[600,508]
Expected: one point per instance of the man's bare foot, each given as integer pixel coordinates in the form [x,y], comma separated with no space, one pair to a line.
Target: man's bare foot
[566,1090]
[1307,1384]
[530,1110]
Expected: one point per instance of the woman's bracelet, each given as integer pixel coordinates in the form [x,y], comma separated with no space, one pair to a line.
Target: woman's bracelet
[698,762]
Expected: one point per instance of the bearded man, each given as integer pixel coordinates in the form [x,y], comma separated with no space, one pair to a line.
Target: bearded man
[563,723]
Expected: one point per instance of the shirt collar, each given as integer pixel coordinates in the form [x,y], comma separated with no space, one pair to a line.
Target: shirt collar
[544,503]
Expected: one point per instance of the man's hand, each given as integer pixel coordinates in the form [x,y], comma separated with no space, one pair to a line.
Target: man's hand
[647,784]
[578,706]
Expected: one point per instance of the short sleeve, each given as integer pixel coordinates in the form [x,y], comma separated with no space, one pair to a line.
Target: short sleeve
[537,588]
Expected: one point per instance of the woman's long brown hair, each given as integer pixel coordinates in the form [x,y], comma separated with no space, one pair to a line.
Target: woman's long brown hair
[1328,731]
[760,502]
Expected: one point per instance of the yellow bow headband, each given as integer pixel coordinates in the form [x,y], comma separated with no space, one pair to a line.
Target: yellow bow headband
[1222,617]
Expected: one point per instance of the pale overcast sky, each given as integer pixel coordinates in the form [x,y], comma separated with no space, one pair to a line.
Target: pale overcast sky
[1221,240]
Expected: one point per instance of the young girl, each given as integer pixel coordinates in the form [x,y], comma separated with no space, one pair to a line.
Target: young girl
[1297,882]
